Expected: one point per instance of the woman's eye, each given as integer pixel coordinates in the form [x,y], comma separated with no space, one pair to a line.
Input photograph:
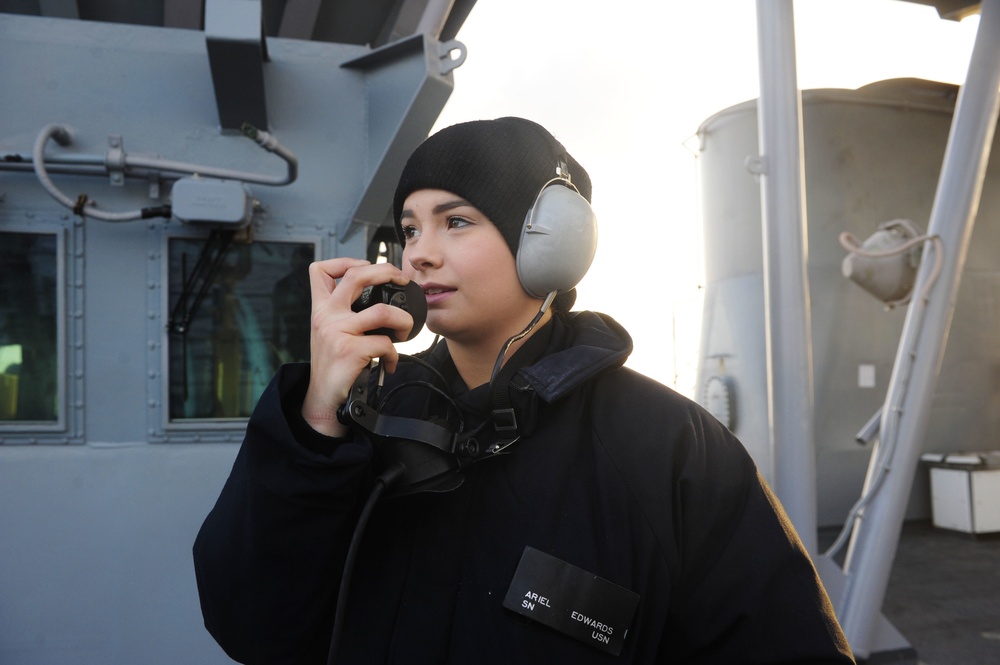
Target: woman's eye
[458,222]
[410,232]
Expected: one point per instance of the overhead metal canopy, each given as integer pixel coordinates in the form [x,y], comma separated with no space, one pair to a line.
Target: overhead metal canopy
[366,22]
[951,9]
[236,32]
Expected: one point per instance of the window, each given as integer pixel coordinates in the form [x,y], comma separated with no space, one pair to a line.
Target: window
[29,344]
[237,310]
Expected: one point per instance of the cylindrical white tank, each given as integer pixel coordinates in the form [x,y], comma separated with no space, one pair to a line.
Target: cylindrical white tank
[871,155]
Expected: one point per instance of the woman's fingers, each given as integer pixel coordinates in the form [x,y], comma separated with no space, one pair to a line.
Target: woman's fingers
[339,345]
[349,276]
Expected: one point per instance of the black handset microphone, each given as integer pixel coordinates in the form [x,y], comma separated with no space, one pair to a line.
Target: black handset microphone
[410,298]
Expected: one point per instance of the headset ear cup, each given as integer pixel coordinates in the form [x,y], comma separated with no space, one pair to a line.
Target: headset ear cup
[558,241]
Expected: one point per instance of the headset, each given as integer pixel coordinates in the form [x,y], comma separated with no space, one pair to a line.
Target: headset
[558,238]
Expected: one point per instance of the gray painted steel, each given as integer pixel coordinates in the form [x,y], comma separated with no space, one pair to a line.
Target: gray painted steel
[98,510]
[871,155]
[907,412]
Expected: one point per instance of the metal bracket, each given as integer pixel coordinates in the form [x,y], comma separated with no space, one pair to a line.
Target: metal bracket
[449,63]
[114,160]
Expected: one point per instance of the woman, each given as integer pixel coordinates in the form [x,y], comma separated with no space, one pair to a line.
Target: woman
[579,512]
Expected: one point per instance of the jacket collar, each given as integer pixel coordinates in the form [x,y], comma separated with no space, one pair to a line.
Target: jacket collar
[572,349]
[583,345]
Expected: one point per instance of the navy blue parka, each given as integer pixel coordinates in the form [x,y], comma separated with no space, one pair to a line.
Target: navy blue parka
[614,473]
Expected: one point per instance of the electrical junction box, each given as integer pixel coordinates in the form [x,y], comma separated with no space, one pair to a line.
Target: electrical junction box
[211,201]
[965,491]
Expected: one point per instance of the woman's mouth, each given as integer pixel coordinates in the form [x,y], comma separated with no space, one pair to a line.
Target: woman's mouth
[435,293]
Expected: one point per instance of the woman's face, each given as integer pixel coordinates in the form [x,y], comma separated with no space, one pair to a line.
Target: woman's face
[456,254]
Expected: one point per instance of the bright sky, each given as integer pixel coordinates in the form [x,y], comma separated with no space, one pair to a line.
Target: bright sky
[625,85]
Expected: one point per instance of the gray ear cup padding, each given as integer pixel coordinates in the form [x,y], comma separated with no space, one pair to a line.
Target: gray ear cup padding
[558,241]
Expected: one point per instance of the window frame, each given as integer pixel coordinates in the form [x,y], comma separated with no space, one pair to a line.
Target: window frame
[161,428]
[68,426]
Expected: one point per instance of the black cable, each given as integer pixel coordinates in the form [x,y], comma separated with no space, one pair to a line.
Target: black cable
[426,365]
[156,211]
[384,480]
[519,336]
[431,387]
[506,347]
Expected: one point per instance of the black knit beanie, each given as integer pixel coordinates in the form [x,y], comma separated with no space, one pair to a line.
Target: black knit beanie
[499,166]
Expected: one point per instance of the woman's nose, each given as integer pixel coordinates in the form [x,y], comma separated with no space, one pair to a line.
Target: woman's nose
[422,253]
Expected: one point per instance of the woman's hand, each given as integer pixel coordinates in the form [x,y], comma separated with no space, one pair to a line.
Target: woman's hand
[339,348]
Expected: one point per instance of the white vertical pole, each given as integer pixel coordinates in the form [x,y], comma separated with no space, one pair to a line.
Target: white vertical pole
[786,284]
[922,342]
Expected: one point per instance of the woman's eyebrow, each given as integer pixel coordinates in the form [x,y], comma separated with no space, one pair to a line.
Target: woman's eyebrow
[438,209]
[450,205]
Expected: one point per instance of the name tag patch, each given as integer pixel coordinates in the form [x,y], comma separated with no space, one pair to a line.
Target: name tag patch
[571,600]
